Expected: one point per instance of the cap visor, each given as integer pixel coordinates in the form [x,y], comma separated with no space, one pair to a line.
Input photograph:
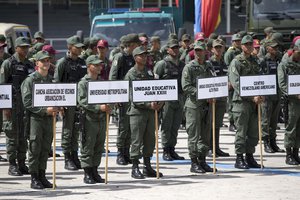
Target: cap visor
[79,45]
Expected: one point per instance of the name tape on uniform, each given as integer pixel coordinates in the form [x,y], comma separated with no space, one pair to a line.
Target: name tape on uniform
[5,96]
[293,84]
[215,87]
[108,92]
[260,85]
[154,90]
[54,94]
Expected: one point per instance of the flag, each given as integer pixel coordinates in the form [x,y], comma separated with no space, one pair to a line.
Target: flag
[207,16]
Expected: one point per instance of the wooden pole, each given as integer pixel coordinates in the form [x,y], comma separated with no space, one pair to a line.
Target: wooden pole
[54,149]
[260,135]
[106,149]
[214,135]
[156,144]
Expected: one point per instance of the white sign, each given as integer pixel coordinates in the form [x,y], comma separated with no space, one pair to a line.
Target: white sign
[5,96]
[108,92]
[259,85]
[154,90]
[54,94]
[215,87]
[293,84]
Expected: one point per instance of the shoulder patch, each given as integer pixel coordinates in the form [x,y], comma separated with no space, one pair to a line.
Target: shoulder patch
[185,74]
[115,62]
[25,90]
[2,70]
[233,68]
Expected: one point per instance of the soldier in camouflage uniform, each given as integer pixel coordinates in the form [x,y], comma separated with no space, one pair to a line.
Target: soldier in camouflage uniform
[233,51]
[14,70]
[292,134]
[91,50]
[154,51]
[245,108]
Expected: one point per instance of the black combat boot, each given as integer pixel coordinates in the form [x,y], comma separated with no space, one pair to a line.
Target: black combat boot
[3,159]
[43,179]
[166,154]
[88,176]
[204,165]
[135,172]
[51,154]
[196,167]
[35,182]
[148,171]
[240,163]
[174,155]
[219,152]
[274,146]
[251,162]
[290,160]
[267,146]
[13,169]
[232,127]
[121,157]
[296,155]
[96,175]
[75,159]
[22,167]
[69,164]
[127,156]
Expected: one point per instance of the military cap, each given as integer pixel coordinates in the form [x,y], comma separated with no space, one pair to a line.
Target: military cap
[199,45]
[93,60]
[102,43]
[86,41]
[2,38]
[236,37]
[38,46]
[22,42]
[256,43]
[271,43]
[247,39]
[185,37]
[213,36]
[143,35]
[50,49]
[155,38]
[297,45]
[41,55]
[278,37]
[138,51]
[209,43]
[39,34]
[199,36]
[93,41]
[132,38]
[218,42]
[75,40]
[173,43]
[172,36]
[242,33]
[221,37]
[268,30]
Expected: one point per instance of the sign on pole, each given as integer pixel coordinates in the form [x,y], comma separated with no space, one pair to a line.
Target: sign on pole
[154,90]
[293,84]
[5,96]
[100,92]
[54,94]
[260,85]
[215,87]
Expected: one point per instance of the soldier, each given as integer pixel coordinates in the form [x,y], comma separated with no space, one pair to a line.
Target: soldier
[91,50]
[292,135]
[102,48]
[39,37]
[245,108]
[94,128]
[70,69]
[41,134]
[268,33]
[233,51]
[3,56]
[154,52]
[185,46]
[271,106]
[197,112]
[141,120]
[220,69]
[171,68]
[121,64]
[118,49]
[52,53]
[164,48]
[14,70]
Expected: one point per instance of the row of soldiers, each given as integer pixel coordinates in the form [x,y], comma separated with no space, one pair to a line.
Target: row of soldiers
[134,61]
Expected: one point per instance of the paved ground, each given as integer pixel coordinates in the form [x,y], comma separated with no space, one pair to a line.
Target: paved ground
[276,181]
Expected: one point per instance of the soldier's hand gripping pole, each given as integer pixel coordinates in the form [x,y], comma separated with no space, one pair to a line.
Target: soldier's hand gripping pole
[260,135]
[214,134]
[106,148]
[54,148]
[156,144]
